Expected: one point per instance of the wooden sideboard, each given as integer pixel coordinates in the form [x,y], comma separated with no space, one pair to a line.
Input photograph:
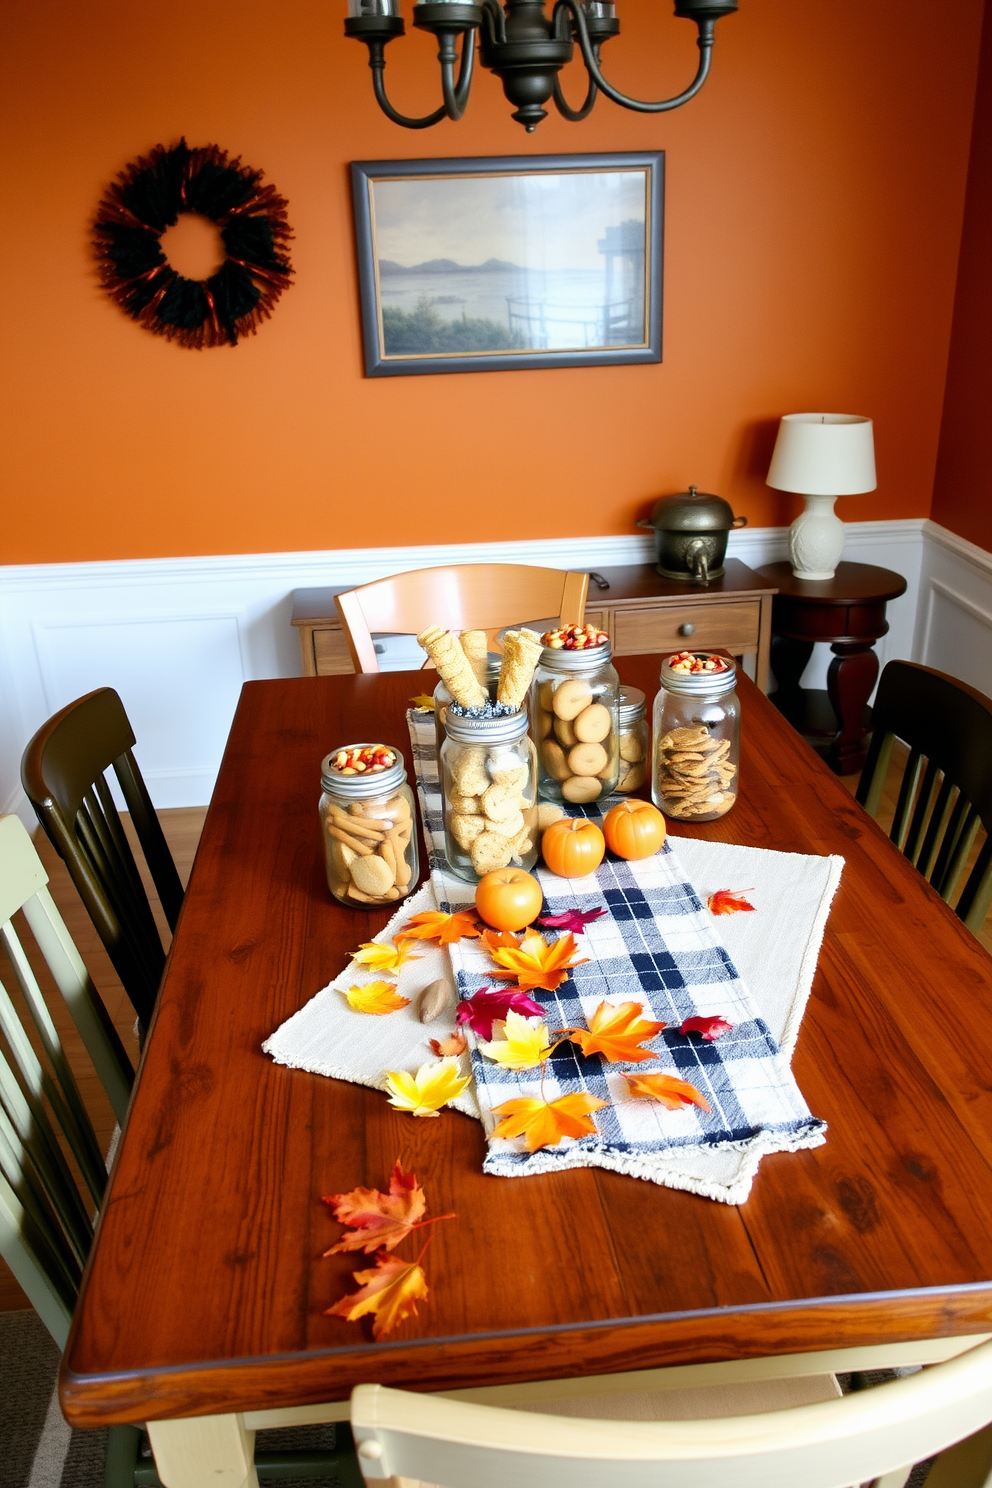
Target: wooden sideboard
[641,612]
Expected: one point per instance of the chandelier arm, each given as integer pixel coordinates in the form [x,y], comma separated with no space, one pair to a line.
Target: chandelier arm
[456,94]
[494,21]
[705,44]
[575,116]
[378,82]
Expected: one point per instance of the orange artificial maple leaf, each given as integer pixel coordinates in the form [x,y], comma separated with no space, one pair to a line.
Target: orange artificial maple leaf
[727,901]
[497,940]
[450,1046]
[544,1123]
[390,1292]
[434,924]
[617,1032]
[378,1219]
[535,963]
[668,1090]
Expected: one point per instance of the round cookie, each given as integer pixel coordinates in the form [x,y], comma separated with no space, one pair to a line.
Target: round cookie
[571,697]
[490,851]
[593,724]
[545,696]
[587,759]
[465,805]
[548,812]
[509,826]
[469,772]
[545,721]
[554,760]
[465,829]
[372,875]
[630,748]
[565,732]
[500,802]
[581,788]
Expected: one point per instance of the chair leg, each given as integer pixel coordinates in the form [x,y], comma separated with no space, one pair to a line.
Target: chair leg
[123,1456]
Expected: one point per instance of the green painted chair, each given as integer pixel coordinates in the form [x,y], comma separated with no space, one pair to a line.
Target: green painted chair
[47,1215]
[63,773]
[945,796]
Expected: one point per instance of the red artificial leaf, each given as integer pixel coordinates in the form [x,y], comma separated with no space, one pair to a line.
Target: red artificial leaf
[667,1090]
[390,1292]
[490,1006]
[378,1219]
[450,1046]
[728,901]
[435,924]
[616,1031]
[710,1027]
[572,919]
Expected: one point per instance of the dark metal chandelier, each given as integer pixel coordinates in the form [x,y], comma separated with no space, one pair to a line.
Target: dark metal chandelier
[522,46]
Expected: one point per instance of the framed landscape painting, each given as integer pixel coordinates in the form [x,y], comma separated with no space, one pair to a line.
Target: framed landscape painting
[480,265]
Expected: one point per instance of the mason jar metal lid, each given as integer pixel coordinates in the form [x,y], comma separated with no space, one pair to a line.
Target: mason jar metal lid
[576,661]
[632,704]
[502,730]
[700,684]
[384,782]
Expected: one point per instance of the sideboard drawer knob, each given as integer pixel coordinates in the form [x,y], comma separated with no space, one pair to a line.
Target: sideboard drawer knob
[687,629]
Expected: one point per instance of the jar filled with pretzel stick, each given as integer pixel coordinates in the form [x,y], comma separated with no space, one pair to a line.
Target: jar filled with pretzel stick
[369,825]
[488,781]
[574,709]
[697,725]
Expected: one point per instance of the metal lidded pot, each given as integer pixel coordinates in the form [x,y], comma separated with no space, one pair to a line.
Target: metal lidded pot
[690,535]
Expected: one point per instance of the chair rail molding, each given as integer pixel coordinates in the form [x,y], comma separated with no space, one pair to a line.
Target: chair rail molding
[954,612]
[178,636]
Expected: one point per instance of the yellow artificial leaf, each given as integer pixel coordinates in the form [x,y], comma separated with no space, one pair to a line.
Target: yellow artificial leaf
[384,957]
[670,1092]
[390,1292]
[454,1045]
[424,1093]
[434,924]
[544,1123]
[524,1045]
[375,997]
[535,963]
[424,702]
[616,1032]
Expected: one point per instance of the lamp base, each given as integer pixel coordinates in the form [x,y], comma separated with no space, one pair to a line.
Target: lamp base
[816,540]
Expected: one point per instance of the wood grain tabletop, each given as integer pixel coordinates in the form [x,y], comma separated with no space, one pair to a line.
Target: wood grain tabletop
[207,1284]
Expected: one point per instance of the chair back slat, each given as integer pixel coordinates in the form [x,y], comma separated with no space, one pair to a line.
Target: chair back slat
[69,1109]
[945,796]
[30,1258]
[469,596]
[64,774]
[61,1257]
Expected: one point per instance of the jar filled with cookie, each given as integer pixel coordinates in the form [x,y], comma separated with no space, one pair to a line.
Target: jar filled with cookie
[575,715]
[633,739]
[369,825]
[489,784]
[697,725]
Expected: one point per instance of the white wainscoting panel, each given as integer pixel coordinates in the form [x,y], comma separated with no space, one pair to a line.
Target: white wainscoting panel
[954,619]
[177,637]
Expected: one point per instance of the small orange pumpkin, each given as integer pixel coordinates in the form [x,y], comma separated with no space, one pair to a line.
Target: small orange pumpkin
[634,829]
[573,847]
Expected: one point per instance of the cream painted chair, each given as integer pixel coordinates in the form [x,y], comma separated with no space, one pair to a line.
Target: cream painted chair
[411,1441]
[470,596]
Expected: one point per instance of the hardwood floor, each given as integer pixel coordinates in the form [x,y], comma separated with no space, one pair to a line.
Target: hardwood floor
[182,829]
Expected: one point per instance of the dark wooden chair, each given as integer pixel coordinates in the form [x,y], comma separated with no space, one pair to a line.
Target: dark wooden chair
[63,772]
[946,790]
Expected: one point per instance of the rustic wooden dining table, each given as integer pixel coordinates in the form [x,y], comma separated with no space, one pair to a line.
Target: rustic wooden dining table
[203,1306]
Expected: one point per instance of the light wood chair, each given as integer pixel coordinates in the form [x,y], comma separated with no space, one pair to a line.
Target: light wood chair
[62,771]
[470,596]
[946,791]
[412,1441]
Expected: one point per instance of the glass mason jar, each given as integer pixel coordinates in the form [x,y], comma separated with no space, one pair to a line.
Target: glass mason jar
[697,727]
[443,699]
[574,708]
[369,825]
[488,780]
[633,739]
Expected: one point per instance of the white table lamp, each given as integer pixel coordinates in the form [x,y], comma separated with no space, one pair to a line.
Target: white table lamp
[821,456]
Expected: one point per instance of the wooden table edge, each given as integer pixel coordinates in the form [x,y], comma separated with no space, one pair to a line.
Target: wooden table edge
[713,1335]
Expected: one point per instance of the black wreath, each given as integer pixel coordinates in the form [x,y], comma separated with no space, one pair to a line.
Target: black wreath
[148,196]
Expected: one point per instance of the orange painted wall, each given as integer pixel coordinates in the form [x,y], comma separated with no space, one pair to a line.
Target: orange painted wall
[962,498]
[815,198]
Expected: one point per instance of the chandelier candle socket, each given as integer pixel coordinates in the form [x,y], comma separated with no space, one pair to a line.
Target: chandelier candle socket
[524,46]
[821,456]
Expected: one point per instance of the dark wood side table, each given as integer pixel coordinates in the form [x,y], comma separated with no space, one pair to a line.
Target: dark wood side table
[848,611]
[640,611]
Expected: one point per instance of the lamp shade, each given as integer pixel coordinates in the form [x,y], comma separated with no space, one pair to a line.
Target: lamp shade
[823,454]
